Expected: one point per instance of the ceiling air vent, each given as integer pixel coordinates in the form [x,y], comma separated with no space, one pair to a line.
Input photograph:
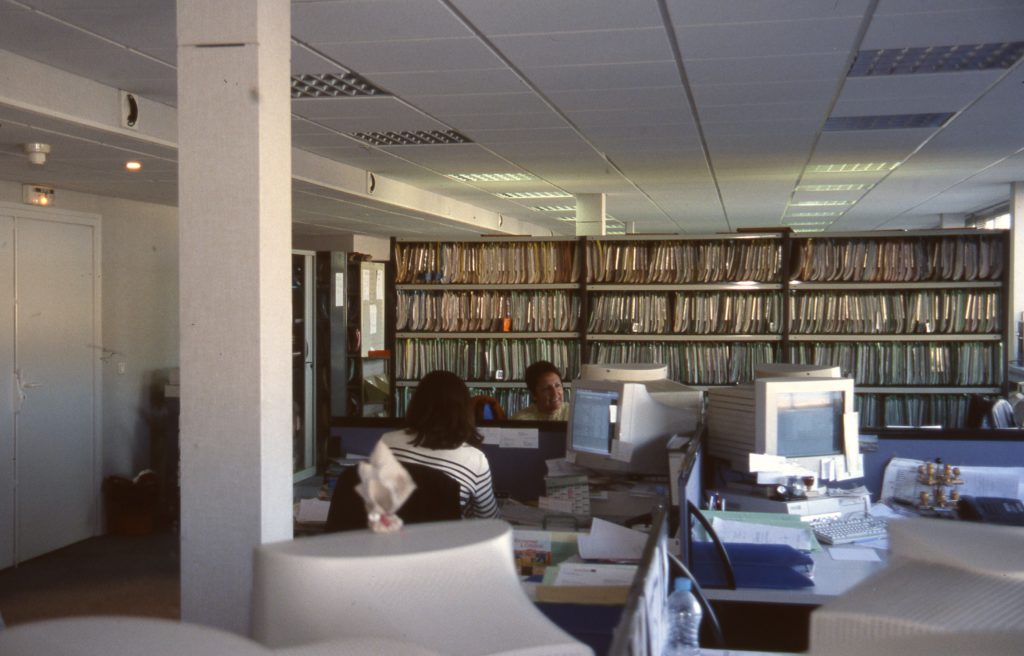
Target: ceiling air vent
[936,59]
[333,85]
[417,138]
[886,122]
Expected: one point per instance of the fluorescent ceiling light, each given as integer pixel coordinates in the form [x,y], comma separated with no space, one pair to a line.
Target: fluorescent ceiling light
[413,138]
[491,177]
[834,187]
[936,59]
[533,194]
[814,214]
[807,229]
[553,208]
[859,167]
[333,85]
[821,203]
[808,223]
[886,122]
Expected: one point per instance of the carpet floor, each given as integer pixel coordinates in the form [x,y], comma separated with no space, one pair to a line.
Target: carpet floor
[107,575]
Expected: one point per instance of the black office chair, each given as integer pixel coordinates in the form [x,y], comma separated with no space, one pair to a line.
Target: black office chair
[435,499]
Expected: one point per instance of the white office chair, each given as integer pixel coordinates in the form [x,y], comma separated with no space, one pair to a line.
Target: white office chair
[445,586]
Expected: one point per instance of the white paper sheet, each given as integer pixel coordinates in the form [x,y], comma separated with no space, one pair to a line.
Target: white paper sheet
[312,511]
[608,541]
[732,531]
[900,481]
[594,574]
[854,553]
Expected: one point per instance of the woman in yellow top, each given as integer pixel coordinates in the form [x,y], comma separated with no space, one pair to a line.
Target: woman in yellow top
[545,384]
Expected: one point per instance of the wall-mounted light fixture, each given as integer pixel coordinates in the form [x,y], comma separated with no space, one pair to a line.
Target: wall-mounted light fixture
[133,165]
[37,195]
[37,152]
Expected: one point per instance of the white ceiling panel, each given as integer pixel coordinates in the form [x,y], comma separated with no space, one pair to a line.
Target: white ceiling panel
[966,24]
[513,135]
[763,74]
[858,145]
[496,121]
[491,80]
[371,58]
[487,103]
[782,111]
[411,121]
[384,107]
[586,48]
[638,116]
[701,12]
[606,76]
[135,24]
[747,67]
[762,92]
[826,36]
[351,22]
[500,17]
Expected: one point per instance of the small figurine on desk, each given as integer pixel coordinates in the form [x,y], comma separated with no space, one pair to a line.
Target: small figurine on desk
[938,501]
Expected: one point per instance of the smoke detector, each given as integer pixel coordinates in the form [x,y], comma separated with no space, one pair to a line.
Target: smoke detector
[37,152]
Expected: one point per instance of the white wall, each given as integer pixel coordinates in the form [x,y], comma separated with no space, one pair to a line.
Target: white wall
[140,317]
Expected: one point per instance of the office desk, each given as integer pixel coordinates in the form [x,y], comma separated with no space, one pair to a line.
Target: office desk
[831,579]
[779,620]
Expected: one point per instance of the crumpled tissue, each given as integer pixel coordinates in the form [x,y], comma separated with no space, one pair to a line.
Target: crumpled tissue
[384,486]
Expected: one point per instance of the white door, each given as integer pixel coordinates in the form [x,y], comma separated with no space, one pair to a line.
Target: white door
[55,373]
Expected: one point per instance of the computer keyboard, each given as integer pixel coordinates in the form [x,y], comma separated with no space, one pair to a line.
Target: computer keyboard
[849,529]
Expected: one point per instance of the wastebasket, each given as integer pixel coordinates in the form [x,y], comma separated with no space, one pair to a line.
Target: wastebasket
[132,504]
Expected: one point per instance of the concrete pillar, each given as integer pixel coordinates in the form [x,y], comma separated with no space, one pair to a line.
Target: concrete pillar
[590,215]
[1016,292]
[234,156]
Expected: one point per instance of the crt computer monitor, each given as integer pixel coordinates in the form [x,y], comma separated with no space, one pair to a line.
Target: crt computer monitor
[808,420]
[624,427]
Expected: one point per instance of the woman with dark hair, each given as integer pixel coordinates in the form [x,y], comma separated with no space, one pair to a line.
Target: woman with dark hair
[441,434]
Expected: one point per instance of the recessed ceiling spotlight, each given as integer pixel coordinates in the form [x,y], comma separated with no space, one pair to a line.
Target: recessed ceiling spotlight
[37,152]
[133,165]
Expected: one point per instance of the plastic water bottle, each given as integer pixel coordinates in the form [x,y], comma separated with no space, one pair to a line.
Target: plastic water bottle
[684,615]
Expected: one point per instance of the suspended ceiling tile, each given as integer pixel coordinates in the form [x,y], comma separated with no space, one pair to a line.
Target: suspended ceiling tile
[639,116]
[586,48]
[824,36]
[497,121]
[498,136]
[382,107]
[410,122]
[577,100]
[791,126]
[964,24]
[484,103]
[710,114]
[501,17]
[350,22]
[746,67]
[371,58]
[870,145]
[746,12]
[135,24]
[761,92]
[492,80]
[591,77]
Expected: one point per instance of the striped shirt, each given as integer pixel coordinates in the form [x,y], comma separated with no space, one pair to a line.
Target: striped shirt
[467,465]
